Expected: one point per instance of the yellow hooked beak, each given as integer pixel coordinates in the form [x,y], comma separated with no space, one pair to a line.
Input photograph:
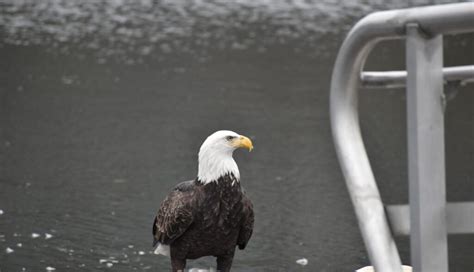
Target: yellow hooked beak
[243,141]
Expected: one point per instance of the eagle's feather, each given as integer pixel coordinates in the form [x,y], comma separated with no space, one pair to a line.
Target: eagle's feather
[175,214]
[208,216]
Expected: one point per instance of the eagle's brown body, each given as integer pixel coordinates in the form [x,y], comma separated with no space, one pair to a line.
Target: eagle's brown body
[199,219]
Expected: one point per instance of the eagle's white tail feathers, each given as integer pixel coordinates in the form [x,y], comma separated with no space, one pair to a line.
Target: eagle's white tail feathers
[162,250]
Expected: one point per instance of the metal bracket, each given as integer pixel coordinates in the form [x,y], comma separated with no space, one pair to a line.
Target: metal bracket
[459,217]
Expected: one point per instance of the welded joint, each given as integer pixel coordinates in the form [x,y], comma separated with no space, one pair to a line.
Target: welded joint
[444,102]
[451,91]
[424,32]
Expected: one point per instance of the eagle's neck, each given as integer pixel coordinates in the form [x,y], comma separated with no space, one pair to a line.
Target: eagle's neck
[213,165]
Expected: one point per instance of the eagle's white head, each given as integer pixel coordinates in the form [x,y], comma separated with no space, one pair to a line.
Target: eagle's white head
[215,155]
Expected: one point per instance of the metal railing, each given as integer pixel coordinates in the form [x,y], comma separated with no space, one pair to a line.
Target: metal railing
[426,217]
[396,79]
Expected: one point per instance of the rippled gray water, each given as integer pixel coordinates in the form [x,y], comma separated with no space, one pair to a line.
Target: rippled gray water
[104,105]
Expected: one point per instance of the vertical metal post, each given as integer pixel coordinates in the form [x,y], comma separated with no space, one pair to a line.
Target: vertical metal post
[426,160]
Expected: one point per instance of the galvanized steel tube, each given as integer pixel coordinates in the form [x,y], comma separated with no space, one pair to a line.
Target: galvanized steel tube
[365,196]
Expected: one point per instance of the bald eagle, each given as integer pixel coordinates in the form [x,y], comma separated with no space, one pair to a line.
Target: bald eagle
[210,215]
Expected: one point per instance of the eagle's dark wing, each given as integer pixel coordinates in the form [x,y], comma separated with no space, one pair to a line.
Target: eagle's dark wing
[175,214]
[246,228]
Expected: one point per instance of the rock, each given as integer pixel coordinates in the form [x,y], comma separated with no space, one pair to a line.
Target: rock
[302,261]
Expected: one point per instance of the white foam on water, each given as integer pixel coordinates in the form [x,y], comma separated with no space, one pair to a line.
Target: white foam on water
[135,27]
[35,235]
[9,250]
[110,260]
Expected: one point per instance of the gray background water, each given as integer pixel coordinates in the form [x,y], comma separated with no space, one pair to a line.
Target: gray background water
[104,105]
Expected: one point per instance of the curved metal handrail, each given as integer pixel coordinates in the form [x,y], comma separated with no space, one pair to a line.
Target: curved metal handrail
[365,196]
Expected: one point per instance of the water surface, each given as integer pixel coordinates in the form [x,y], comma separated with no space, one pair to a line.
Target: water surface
[104,105]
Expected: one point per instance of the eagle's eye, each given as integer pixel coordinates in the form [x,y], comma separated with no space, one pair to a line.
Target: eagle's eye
[229,138]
